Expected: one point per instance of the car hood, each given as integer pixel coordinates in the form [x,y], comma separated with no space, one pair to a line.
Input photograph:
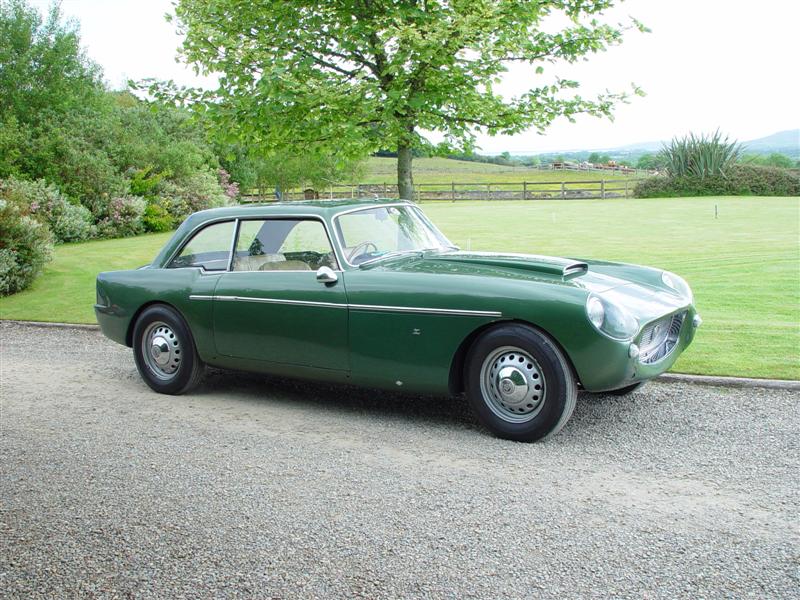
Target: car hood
[632,285]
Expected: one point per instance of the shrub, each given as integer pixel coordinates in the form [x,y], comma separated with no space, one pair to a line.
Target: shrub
[156,217]
[198,191]
[123,217]
[741,180]
[230,188]
[144,182]
[25,246]
[68,222]
[700,156]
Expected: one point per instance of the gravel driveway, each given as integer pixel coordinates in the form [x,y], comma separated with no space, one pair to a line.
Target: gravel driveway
[274,488]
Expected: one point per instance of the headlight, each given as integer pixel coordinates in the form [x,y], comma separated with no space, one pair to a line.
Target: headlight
[596,312]
[678,284]
[610,319]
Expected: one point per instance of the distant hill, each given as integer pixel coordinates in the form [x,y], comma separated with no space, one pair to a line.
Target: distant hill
[787,142]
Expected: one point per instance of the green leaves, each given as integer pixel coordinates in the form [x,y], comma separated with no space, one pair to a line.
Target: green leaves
[700,156]
[354,76]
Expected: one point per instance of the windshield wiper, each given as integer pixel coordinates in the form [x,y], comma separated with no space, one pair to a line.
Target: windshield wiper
[391,254]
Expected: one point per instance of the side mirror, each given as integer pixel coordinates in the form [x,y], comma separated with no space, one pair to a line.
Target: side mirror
[326,275]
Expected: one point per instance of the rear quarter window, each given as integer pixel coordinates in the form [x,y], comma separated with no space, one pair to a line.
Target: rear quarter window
[209,248]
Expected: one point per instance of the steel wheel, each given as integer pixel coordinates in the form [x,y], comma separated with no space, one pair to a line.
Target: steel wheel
[161,350]
[519,383]
[164,350]
[513,384]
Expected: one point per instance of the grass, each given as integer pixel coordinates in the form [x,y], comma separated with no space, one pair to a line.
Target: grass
[65,291]
[744,265]
[445,170]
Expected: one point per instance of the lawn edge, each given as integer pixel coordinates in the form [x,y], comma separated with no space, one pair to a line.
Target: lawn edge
[711,380]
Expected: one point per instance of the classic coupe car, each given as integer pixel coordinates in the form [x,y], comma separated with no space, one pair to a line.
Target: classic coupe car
[370,292]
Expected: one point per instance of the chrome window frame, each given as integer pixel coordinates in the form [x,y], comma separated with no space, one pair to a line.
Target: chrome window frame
[338,230]
[194,233]
[283,218]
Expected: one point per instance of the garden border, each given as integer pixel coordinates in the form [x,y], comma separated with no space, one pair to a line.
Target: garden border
[710,380]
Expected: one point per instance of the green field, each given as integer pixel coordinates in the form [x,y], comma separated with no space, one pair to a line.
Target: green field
[445,170]
[744,265]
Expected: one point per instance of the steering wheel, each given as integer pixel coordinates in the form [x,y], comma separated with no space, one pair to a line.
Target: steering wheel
[362,245]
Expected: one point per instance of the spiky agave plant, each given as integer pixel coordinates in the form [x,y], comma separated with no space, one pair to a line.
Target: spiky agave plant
[700,156]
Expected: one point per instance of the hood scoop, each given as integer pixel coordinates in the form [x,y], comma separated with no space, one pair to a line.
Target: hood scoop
[549,265]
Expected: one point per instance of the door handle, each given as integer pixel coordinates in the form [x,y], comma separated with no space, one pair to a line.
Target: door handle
[326,275]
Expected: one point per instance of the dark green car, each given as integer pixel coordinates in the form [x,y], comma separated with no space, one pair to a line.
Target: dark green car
[370,292]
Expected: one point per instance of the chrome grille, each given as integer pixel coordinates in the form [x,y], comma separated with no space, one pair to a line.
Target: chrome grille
[659,338]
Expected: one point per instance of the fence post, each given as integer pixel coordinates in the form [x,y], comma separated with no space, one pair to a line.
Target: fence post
[626,188]
[603,189]
[488,191]
[452,191]
[524,190]
[563,190]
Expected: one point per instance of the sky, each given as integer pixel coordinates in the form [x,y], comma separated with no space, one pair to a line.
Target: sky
[708,64]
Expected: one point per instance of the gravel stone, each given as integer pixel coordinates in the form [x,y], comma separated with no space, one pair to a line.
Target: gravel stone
[262,487]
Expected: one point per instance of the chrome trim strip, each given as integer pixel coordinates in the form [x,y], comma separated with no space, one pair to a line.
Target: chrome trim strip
[280,301]
[358,307]
[427,311]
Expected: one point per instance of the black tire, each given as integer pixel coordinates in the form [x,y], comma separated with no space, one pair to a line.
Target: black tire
[549,370]
[627,389]
[170,329]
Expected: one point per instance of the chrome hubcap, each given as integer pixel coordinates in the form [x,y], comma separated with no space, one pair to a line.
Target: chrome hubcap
[512,384]
[161,350]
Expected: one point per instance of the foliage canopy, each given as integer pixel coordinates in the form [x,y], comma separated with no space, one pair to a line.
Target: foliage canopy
[362,75]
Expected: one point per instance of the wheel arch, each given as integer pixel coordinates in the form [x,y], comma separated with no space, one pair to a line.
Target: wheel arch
[457,365]
[140,310]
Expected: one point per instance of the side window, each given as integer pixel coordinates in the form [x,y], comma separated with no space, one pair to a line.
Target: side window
[210,248]
[283,245]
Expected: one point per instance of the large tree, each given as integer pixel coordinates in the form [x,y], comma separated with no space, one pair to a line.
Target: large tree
[43,69]
[355,76]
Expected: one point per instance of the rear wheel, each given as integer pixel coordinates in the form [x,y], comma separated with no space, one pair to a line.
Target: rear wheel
[164,350]
[519,383]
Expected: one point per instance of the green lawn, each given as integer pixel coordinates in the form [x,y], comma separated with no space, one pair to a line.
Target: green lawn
[744,266]
[445,170]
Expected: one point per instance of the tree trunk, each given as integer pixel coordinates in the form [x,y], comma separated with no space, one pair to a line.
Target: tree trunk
[405,180]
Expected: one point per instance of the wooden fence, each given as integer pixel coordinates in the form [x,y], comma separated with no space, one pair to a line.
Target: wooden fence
[455,192]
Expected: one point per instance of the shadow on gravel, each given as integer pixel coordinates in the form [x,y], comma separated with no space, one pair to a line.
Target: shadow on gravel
[316,396]
[298,393]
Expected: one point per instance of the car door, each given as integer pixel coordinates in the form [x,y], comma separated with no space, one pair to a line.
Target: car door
[273,305]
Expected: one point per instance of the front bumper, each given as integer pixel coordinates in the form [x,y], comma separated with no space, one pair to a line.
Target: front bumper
[621,364]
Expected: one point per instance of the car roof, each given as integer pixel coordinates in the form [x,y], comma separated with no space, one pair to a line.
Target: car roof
[323,209]
[319,208]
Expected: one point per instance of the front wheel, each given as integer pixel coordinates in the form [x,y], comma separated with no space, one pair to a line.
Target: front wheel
[164,351]
[519,383]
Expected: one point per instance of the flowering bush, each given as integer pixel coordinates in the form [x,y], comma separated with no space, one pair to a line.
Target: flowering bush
[198,191]
[123,217]
[25,246]
[230,188]
[43,202]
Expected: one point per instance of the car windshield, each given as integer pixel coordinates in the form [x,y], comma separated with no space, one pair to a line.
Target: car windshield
[383,231]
